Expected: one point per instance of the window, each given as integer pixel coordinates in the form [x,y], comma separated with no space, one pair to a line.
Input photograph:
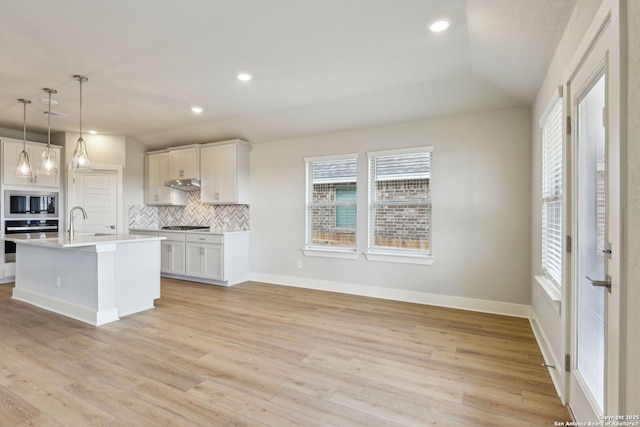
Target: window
[552,193]
[331,203]
[400,203]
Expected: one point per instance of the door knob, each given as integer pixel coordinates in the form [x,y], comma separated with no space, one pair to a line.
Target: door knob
[606,283]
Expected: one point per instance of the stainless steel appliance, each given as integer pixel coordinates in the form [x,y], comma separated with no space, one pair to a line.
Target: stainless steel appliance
[26,204]
[32,228]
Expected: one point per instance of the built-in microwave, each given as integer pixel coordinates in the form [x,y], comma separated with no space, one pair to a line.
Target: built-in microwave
[26,204]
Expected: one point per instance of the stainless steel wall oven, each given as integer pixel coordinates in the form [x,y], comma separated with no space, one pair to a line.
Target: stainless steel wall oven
[31,228]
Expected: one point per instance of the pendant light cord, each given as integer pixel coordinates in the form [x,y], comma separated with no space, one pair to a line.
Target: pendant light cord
[81,78]
[49,122]
[24,119]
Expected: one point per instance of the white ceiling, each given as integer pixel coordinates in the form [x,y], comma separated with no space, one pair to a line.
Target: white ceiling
[319,65]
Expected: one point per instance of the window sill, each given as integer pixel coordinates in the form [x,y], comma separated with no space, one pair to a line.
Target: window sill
[331,253]
[401,258]
[551,292]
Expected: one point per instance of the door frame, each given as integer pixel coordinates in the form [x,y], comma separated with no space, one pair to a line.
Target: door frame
[119,169]
[605,28]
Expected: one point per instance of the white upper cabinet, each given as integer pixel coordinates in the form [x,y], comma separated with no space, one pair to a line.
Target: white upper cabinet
[156,172]
[11,150]
[185,163]
[225,172]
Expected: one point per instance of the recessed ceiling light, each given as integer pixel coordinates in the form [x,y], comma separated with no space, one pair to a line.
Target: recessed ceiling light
[197,110]
[245,77]
[440,25]
[93,132]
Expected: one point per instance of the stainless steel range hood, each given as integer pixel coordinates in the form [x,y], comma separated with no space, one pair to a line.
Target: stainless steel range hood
[188,184]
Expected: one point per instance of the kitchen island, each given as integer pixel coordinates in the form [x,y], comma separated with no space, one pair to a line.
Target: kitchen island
[93,278]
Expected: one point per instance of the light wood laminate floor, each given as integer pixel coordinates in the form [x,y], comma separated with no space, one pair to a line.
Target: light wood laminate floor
[257,354]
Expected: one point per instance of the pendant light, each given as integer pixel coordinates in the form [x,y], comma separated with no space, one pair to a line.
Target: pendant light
[80,160]
[23,169]
[48,163]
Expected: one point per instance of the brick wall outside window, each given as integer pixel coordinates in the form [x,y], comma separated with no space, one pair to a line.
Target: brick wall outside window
[406,226]
[324,226]
[396,226]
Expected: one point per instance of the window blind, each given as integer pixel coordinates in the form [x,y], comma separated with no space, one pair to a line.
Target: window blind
[552,196]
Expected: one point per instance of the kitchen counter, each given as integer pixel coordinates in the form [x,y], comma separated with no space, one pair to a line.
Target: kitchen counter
[161,230]
[61,240]
[95,278]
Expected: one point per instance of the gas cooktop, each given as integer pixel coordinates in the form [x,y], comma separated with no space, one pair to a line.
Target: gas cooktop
[185,227]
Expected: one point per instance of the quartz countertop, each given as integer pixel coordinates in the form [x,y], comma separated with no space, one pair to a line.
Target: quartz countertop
[61,240]
[133,230]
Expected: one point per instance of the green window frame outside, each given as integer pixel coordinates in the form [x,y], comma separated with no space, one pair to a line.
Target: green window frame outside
[346,215]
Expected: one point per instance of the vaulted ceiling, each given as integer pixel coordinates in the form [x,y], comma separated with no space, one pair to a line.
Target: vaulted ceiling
[318,66]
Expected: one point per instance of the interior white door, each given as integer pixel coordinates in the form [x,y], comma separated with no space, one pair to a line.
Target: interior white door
[97,192]
[594,101]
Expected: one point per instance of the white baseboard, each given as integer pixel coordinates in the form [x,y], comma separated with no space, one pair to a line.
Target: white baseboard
[557,373]
[70,310]
[471,304]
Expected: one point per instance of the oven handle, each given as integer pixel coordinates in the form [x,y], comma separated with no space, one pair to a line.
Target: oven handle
[33,229]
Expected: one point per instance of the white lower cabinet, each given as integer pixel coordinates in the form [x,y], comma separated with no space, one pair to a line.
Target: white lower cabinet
[172,253]
[205,260]
[172,257]
[215,258]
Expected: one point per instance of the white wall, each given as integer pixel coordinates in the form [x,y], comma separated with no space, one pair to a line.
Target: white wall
[481,180]
[547,323]
[102,149]
[134,172]
[631,334]
[17,134]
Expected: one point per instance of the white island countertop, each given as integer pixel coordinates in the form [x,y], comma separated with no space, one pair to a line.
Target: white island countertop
[61,240]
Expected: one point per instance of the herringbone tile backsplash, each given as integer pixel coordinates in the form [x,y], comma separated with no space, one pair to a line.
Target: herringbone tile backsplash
[218,217]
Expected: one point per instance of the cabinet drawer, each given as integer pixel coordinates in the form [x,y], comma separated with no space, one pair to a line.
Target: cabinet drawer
[176,237]
[205,238]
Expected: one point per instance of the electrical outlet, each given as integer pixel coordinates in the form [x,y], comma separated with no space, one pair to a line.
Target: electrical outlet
[299,263]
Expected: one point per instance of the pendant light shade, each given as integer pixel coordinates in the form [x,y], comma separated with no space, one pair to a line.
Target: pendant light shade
[24,167]
[80,160]
[48,162]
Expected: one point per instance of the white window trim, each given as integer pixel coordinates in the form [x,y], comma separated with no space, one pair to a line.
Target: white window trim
[322,252]
[551,291]
[393,255]
[398,257]
[329,158]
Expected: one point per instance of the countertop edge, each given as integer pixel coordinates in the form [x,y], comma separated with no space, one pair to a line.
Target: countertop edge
[158,230]
[84,241]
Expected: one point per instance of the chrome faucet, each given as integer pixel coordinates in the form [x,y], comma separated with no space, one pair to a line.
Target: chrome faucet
[71,218]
